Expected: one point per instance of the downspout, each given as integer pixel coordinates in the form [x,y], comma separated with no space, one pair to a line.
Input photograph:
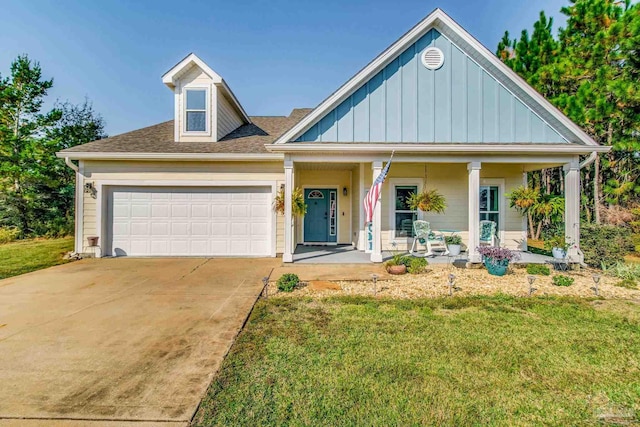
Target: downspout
[79,193]
[586,162]
[69,163]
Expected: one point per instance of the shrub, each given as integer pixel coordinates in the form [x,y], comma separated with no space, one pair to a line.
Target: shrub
[627,283]
[623,271]
[416,265]
[287,282]
[538,269]
[8,234]
[604,244]
[562,280]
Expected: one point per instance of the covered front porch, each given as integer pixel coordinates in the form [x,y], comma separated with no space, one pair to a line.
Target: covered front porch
[348,254]
[334,231]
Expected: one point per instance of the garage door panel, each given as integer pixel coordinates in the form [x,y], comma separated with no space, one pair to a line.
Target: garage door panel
[191,221]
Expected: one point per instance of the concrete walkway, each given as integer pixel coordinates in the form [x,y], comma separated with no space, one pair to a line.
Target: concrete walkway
[119,339]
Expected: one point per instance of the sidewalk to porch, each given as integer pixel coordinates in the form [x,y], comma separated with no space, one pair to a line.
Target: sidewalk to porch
[347,254]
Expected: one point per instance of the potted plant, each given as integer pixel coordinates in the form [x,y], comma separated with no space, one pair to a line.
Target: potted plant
[298,206]
[558,246]
[427,201]
[454,243]
[496,259]
[396,265]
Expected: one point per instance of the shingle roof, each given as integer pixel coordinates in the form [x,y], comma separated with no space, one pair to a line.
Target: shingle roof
[248,138]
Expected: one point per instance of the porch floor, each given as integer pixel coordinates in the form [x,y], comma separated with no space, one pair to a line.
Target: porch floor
[347,254]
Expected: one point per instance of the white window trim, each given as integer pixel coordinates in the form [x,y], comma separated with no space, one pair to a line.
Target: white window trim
[393,182]
[207,113]
[502,202]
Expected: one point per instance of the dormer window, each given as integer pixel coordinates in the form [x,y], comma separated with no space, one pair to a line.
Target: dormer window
[196,111]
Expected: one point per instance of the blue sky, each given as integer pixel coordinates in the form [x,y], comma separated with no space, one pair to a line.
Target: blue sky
[276,55]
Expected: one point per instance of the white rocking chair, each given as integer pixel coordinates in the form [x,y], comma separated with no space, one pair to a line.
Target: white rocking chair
[423,235]
[488,235]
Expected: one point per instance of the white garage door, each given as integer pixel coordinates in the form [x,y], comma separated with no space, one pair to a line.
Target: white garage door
[190,221]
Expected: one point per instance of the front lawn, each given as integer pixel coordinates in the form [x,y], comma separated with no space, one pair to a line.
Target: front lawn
[30,255]
[450,361]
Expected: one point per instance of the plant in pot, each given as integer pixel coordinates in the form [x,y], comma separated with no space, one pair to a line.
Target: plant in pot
[558,246]
[454,243]
[496,259]
[427,201]
[298,206]
[397,264]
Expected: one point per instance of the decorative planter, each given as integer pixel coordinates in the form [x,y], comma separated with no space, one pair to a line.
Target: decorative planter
[92,241]
[558,253]
[496,268]
[454,250]
[397,269]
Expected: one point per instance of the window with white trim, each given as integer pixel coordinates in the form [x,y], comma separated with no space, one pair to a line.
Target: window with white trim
[490,204]
[196,111]
[403,215]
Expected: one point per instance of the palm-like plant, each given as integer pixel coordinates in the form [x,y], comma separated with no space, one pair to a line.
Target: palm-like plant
[298,206]
[541,209]
[427,201]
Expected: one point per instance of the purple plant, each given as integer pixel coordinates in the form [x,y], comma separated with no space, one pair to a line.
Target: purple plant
[497,254]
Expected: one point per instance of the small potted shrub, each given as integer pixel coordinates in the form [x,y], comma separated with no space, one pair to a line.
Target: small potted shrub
[558,246]
[454,243]
[496,259]
[396,265]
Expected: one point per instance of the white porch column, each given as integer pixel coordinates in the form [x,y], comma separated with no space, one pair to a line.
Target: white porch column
[525,223]
[572,209]
[287,255]
[474,210]
[361,190]
[376,253]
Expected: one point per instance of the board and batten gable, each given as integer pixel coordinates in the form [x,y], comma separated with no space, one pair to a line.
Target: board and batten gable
[459,102]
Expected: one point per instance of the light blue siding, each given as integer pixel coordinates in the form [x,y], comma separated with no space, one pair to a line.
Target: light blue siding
[458,103]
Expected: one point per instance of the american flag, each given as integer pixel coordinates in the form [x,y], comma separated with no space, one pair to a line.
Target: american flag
[372,197]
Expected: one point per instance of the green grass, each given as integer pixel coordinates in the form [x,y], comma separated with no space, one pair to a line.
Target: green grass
[461,361]
[30,255]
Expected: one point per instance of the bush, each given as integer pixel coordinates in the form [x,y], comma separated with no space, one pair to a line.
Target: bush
[623,271]
[627,283]
[8,234]
[604,244]
[538,269]
[416,265]
[287,282]
[562,280]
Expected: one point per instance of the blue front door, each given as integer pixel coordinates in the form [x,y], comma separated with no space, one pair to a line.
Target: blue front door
[320,220]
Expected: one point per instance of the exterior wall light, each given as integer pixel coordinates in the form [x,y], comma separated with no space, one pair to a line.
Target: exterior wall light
[345,192]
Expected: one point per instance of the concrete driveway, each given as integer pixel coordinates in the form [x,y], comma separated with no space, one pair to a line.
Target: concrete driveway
[120,339]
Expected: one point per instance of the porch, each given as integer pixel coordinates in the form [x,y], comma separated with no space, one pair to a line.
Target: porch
[474,188]
[348,254]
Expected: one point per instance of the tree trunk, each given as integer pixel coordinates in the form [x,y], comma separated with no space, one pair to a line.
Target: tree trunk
[531,225]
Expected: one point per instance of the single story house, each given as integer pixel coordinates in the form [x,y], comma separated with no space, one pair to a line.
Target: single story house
[204,183]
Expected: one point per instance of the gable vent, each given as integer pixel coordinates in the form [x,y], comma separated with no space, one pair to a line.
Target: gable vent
[432,58]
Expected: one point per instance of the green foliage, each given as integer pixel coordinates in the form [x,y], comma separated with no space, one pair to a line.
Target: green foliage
[562,280]
[36,188]
[590,72]
[558,241]
[538,269]
[622,270]
[541,209]
[604,244]
[288,282]
[416,265]
[298,206]
[427,201]
[453,240]
[8,234]
[627,283]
